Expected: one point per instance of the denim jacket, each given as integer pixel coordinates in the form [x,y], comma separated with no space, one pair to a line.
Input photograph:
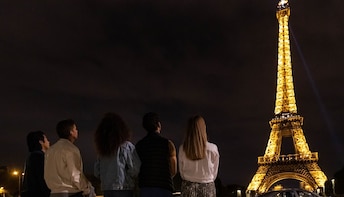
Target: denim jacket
[118,172]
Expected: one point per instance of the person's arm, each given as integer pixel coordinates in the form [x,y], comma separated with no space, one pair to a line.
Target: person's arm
[74,168]
[216,161]
[133,162]
[173,158]
[181,162]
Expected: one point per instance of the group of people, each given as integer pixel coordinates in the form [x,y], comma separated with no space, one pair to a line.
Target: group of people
[57,170]
[122,166]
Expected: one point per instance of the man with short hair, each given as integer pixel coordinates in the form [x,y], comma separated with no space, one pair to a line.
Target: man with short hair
[63,170]
[158,160]
[33,182]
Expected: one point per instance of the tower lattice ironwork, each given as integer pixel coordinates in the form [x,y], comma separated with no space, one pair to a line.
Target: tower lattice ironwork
[302,164]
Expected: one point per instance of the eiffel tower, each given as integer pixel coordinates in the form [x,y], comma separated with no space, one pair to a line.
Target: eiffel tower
[302,164]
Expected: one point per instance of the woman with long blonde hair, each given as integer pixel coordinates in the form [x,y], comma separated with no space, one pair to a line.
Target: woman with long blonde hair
[198,161]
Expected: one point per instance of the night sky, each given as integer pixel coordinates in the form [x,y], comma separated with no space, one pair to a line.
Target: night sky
[82,58]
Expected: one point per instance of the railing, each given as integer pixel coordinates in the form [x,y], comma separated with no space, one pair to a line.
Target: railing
[290,157]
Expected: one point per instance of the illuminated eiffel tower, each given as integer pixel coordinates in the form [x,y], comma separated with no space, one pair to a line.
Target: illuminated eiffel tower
[302,164]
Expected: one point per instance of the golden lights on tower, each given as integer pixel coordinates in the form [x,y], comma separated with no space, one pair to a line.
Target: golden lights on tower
[273,167]
[285,96]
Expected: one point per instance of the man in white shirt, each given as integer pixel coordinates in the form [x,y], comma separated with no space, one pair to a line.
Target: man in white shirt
[63,170]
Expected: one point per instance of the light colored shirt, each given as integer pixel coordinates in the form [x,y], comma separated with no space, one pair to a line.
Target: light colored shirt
[63,169]
[200,171]
[118,172]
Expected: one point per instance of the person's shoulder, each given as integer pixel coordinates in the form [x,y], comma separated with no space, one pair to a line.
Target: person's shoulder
[140,143]
[37,154]
[163,138]
[170,142]
[212,146]
[128,145]
[62,143]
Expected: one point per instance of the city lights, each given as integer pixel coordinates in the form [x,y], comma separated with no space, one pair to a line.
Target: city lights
[19,174]
[2,191]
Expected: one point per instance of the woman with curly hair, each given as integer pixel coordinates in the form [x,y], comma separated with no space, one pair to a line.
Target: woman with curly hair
[118,164]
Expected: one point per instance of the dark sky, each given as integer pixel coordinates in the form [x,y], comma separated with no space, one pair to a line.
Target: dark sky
[79,59]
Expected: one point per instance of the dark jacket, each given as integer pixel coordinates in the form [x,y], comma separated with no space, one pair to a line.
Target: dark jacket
[33,182]
[154,154]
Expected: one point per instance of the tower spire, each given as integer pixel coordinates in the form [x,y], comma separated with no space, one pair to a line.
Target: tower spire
[285,96]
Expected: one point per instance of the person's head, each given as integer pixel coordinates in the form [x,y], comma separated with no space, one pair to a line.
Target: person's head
[196,138]
[37,141]
[66,129]
[151,122]
[112,131]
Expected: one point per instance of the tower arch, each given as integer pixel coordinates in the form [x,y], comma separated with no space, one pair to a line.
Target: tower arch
[289,175]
